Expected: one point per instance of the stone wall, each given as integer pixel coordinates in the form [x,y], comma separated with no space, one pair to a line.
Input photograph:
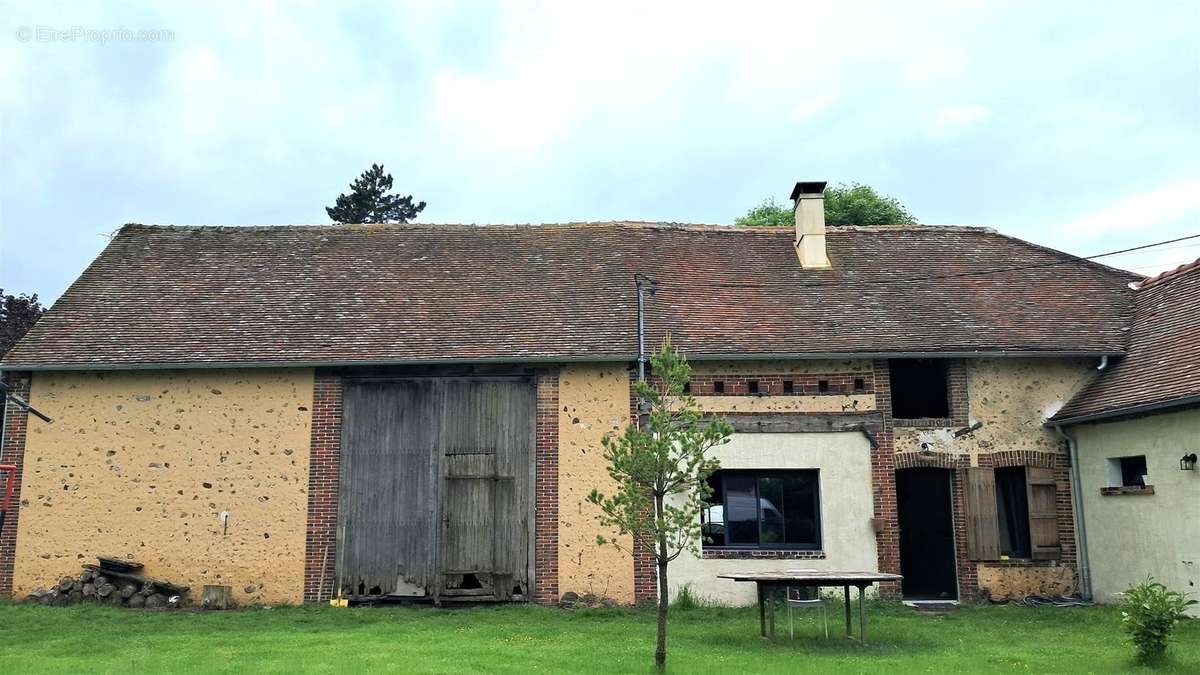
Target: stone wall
[143,463]
[593,401]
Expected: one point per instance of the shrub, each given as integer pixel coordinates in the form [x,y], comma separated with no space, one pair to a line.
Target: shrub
[1149,612]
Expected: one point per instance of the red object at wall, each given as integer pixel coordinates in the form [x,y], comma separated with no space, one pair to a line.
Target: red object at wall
[8,473]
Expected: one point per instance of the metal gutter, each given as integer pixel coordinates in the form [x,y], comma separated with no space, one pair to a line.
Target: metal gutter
[597,358]
[1127,411]
[1081,545]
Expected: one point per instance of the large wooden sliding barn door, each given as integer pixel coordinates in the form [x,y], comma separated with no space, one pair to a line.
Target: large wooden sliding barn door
[436,488]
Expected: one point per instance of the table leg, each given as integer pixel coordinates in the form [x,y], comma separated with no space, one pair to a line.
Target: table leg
[862,617]
[849,627]
[762,612]
[771,592]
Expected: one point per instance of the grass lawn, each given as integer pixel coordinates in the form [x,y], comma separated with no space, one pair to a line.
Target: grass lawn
[526,638]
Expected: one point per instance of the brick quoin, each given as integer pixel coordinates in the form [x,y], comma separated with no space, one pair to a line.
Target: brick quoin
[645,572]
[12,451]
[883,482]
[545,561]
[320,549]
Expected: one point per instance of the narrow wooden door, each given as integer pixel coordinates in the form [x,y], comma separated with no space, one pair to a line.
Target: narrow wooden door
[487,442]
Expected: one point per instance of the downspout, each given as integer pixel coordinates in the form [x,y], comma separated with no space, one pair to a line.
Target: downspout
[1081,545]
[641,328]
[1103,363]
[641,281]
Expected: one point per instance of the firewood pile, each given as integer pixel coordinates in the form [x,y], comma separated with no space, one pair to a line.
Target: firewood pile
[113,582]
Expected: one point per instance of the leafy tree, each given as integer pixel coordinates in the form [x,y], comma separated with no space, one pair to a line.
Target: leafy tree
[369,201]
[18,313]
[661,473]
[770,212]
[853,204]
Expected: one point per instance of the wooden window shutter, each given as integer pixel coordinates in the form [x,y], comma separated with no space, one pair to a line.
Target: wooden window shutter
[983,527]
[1042,491]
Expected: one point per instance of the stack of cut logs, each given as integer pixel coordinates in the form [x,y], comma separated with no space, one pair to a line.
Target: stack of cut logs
[112,582]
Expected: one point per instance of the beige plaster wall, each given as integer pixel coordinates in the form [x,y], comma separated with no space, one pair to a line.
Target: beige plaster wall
[1132,536]
[848,540]
[1012,397]
[141,463]
[594,402]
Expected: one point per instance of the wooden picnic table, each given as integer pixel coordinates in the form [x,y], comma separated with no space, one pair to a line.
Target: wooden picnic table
[769,582]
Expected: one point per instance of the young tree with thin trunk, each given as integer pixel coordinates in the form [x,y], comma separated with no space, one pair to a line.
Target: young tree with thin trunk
[661,469]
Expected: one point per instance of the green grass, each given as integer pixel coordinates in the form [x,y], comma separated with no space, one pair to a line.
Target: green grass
[520,639]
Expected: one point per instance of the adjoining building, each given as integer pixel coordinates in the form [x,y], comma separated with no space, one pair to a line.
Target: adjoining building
[1136,430]
[301,412]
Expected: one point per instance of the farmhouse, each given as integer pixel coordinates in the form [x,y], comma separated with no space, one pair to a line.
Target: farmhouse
[302,412]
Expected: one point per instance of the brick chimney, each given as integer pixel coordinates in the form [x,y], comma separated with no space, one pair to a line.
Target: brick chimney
[810,224]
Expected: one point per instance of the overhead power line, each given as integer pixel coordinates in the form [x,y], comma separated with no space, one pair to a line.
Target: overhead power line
[936,277]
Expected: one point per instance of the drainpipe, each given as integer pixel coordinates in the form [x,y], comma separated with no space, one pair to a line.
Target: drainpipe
[1081,547]
[642,282]
[1103,363]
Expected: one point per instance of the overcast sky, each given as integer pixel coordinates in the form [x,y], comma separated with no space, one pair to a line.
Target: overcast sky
[1073,124]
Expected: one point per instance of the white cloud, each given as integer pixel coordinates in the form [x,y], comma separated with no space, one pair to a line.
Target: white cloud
[952,121]
[810,107]
[1141,211]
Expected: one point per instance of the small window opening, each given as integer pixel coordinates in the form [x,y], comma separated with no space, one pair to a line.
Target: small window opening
[719,387]
[859,385]
[517,590]
[822,386]
[752,386]
[687,387]
[789,387]
[1128,471]
[470,581]
[1012,505]
[919,388]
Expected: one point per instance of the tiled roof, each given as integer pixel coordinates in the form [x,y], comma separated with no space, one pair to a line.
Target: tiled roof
[174,295]
[1162,366]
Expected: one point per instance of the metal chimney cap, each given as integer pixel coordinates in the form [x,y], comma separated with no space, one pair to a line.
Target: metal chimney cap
[815,187]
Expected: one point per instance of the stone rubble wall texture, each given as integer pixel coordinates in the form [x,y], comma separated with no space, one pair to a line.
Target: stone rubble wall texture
[1014,582]
[1012,397]
[141,464]
[593,402]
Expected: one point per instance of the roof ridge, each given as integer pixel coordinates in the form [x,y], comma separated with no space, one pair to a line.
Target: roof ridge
[1185,268]
[1071,257]
[567,225]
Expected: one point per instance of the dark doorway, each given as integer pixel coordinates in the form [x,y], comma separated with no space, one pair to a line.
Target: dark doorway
[923,504]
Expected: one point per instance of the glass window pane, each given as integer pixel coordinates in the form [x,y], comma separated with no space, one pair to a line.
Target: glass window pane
[712,514]
[800,508]
[770,505]
[741,512]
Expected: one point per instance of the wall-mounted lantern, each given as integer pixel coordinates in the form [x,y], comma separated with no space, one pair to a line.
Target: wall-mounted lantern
[1188,462]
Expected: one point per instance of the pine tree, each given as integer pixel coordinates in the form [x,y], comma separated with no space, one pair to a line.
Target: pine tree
[660,470]
[369,201]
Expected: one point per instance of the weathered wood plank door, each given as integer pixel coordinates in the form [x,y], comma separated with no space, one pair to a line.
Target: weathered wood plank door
[487,444]
[388,491]
[436,491]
